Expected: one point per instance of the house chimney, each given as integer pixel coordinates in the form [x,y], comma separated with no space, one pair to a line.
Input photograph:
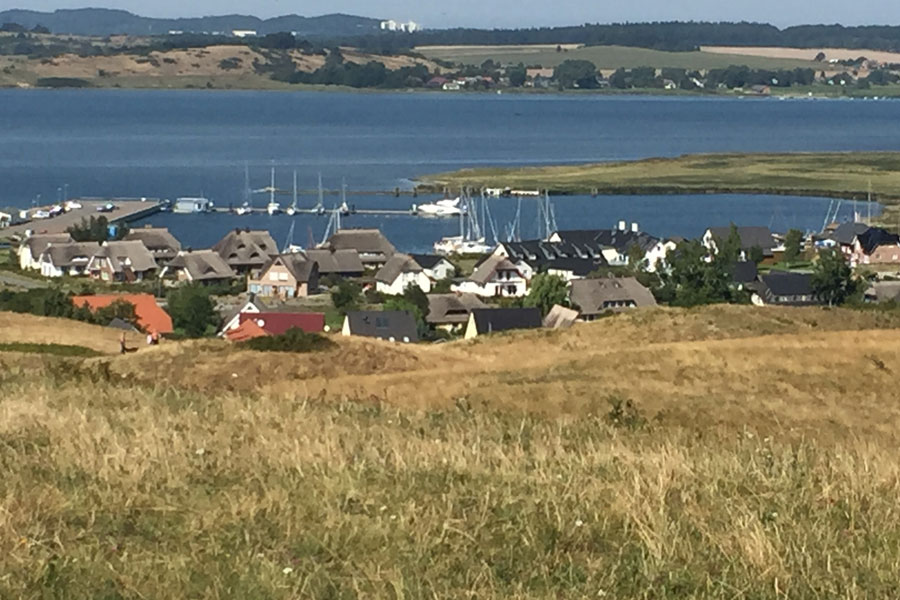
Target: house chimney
[622,225]
[635,228]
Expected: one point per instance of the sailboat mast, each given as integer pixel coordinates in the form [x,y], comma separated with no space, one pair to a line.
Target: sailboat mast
[247,195]
[321,203]
[272,188]
[294,205]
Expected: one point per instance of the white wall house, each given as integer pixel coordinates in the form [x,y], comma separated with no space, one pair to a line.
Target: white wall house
[495,277]
[400,272]
[656,256]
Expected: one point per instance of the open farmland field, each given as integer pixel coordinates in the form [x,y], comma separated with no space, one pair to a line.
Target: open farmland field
[806,54]
[757,454]
[609,57]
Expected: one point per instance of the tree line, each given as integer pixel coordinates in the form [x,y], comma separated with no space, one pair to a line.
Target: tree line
[672,36]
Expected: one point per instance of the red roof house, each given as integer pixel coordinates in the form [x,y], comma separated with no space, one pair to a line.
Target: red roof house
[247,330]
[151,318]
[278,323]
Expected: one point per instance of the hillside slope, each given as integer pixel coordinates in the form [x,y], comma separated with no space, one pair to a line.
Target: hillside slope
[758,460]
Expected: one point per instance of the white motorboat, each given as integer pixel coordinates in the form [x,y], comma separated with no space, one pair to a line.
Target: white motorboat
[441,208]
[243,209]
[273,208]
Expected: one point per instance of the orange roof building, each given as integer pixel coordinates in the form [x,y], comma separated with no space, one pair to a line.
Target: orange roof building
[247,330]
[151,318]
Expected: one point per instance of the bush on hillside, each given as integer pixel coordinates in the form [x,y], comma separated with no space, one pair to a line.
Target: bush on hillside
[293,340]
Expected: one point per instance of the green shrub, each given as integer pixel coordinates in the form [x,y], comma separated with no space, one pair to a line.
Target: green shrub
[62,82]
[293,340]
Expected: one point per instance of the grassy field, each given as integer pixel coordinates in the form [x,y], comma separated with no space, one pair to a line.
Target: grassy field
[846,175]
[608,57]
[723,452]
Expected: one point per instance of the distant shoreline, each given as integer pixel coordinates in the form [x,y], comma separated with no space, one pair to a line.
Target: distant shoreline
[844,175]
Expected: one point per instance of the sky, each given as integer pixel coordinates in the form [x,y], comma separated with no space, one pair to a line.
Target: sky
[515,13]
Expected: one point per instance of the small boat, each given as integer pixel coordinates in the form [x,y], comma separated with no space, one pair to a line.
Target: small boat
[273,208]
[243,209]
[292,209]
[441,208]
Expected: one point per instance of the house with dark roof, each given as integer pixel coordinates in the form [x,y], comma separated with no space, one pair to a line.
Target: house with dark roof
[485,321]
[121,261]
[450,312]
[784,289]
[495,277]
[400,272]
[743,273]
[435,267]
[32,247]
[617,246]
[342,263]
[596,297]
[245,250]
[751,237]
[563,259]
[374,249]
[391,326]
[875,246]
[198,266]
[285,276]
[161,244]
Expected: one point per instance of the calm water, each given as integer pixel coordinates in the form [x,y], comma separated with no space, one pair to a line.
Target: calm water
[169,144]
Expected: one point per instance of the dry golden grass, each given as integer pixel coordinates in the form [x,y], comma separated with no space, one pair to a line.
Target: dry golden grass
[46,330]
[759,463]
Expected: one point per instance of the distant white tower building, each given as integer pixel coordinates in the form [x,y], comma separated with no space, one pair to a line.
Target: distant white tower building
[391,25]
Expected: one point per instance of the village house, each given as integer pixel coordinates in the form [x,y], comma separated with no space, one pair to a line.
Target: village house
[374,249]
[496,276]
[784,289]
[556,258]
[436,267]
[231,314]
[71,259]
[391,326]
[121,262]
[751,237]
[874,246]
[151,318]
[198,266]
[450,312]
[484,321]
[616,246]
[161,244]
[253,325]
[340,263]
[285,276]
[31,248]
[400,272]
[595,297]
[246,250]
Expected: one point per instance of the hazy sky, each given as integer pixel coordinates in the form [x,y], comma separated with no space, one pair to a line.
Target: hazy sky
[516,13]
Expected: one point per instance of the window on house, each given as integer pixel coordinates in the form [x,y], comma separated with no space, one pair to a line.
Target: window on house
[381,323]
[273,276]
[282,276]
